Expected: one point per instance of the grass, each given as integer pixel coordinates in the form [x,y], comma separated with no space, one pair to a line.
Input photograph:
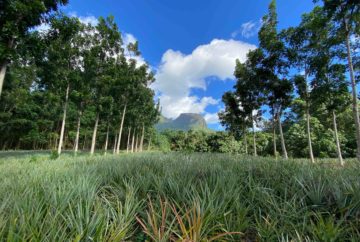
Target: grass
[177,197]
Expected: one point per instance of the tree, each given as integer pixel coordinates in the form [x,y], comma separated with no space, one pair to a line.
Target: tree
[345,16]
[99,59]
[303,43]
[16,18]
[61,61]
[233,118]
[278,88]
[330,89]
[249,89]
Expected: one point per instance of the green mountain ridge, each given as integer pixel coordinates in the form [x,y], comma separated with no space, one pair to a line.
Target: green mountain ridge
[185,121]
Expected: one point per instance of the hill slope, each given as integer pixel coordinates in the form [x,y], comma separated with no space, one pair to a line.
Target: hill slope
[185,121]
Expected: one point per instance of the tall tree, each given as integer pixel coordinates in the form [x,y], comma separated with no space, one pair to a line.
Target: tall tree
[249,89]
[330,89]
[16,18]
[99,61]
[61,62]
[303,43]
[278,88]
[345,15]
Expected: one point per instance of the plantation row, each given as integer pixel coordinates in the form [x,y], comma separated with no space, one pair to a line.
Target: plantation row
[76,86]
[177,197]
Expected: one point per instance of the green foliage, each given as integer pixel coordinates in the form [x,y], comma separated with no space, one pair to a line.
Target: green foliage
[177,196]
[322,139]
[90,62]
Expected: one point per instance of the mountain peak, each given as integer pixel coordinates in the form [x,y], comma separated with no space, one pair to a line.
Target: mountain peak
[185,121]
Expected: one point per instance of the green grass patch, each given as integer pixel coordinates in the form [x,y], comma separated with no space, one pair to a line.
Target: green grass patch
[176,197]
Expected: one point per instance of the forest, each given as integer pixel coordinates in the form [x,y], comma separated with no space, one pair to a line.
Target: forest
[82,158]
[74,86]
[80,87]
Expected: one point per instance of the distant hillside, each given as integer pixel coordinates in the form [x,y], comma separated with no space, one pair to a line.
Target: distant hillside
[185,121]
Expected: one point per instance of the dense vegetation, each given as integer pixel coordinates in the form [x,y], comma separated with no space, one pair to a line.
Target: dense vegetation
[74,86]
[300,78]
[177,196]
[77,87]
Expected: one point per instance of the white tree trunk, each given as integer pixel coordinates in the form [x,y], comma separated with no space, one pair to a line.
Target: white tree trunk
[120,130]
[308,131]
[142,138]
[64,119]
[77,133]
[254,137]
[128,141]
[283,147]
[354,97]
[338,149]
[115,141]
[133,142]
[106,140]
[2,75]
[93,141]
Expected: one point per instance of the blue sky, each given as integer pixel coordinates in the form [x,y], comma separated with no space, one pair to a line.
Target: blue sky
[192,45]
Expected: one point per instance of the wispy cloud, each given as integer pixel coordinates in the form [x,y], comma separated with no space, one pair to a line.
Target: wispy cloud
[247,29]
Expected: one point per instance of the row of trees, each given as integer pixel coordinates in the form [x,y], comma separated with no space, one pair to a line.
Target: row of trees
[317,59]
[74,84]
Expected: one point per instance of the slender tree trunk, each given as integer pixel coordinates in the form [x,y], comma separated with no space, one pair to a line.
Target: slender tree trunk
[254,136]
[64,119]
[308,131]
[107,139]
[133,142]
[77,133]
[338,149]
[115,142]
[274,135]
[128,141]
[2,75]
[93,141]
[354,96]
[142,138]
[283,147]
[120,130]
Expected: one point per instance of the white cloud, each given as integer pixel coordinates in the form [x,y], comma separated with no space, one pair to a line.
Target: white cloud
[247,29]
[89,19]
[211,118]
[172,108]
[179,73]
[42,28]
[127,39]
